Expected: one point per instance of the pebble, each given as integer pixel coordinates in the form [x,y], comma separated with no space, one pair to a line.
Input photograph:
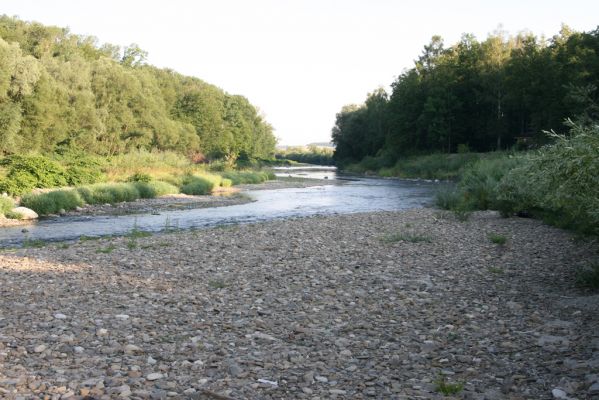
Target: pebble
[312,308]
[154,376]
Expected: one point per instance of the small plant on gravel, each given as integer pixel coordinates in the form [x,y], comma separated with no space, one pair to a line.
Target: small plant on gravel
[137,234]
[495,270]
[462,214]
[447,388]
[33,243]
[132,244]
[84,238]
[497,239]
[6,205]
[62,246]
[589,277]
[13,215]
[217,284]
[106,250]
[406,237]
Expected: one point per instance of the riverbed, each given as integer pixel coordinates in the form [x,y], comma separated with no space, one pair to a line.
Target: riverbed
[314,195]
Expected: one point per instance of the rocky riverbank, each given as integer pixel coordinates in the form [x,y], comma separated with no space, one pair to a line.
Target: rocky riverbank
[403,305]
[222,198]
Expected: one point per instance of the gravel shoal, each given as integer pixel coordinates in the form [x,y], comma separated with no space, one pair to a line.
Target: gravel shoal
[394,305]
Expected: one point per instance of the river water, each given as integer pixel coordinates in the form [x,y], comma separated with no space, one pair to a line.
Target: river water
[357,194]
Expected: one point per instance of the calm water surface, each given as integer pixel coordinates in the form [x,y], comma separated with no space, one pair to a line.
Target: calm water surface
[355,195]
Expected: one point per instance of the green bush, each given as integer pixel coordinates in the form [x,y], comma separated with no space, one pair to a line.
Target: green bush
[150,190]
[25,173]
[112,193]
[52,202]
[226,183]
[245,177]
[559,182]
[81,168]
[480,181]
[139,177]
[6,205]
[197,186]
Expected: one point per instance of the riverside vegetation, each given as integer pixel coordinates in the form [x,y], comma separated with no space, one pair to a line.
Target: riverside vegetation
[74,113]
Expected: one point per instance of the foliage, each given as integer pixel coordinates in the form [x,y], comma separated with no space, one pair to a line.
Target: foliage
[447,388]
[28,172]
[61,92]
[52,202]
[152,189]
[197,185]
[311,154]
[244,177]
[497,238]
[475,96]
[589,276]
[559,182]
[108,193]
[6,205]
[140,177]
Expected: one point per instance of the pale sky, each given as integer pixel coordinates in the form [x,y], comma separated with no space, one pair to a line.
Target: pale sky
[298,61]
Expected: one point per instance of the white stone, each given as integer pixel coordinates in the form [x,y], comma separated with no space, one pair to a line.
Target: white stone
[121,316]
[60,316]
[154,376]
[26,213]
[102,332]
[559,394]
[40,348]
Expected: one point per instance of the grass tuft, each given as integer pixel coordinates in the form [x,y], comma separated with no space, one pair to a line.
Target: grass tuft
[589,277]
[406,237]
[497,239]
[447,388]
[52,202]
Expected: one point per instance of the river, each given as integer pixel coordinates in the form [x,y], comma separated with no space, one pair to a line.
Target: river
[356,194]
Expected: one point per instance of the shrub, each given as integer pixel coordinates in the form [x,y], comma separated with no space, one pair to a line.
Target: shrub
[558,182]
[150,190]
[112,193]
[139,177]
[81,168]
[197,185]
[244,177]
[6,205]
[28,172]
[52,202]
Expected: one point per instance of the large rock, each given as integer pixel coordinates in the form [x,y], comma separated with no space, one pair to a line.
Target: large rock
[27,213]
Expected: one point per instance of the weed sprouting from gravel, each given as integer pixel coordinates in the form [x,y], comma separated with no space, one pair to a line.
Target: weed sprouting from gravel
[495,270]
[447,388]
[217,284]
[84,238]
[106,250]
[33,243]
[589,277]
[497,239]
[406,237]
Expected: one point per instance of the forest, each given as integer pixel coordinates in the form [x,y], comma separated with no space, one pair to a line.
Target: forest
[61,92]
[476,96]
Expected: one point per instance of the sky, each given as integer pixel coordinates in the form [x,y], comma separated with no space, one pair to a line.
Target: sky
[298,61]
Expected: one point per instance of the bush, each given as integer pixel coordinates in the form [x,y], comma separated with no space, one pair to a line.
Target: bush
[52,202]
[112,193]
[480,181]
[150,190]
[6,205]
[28,172]
[81,168]
[139,177]
[559,182]
[251,177]
[197,186]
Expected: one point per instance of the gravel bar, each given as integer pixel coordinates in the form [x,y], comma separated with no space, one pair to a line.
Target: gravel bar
[394,305]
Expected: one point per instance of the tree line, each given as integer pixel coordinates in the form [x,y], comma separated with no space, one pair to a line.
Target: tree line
[476,95]
[61,91]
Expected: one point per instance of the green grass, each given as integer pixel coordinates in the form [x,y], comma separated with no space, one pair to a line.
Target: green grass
[495,270]
[6,205]
[589,276]
[33,243]
[52,202]
[153,189]
[137,234]
[497,238]
[217,284]
[245,177]
[406,237]
[198,185]
[106,250]
[109,193]
[84,238]
[447,388]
